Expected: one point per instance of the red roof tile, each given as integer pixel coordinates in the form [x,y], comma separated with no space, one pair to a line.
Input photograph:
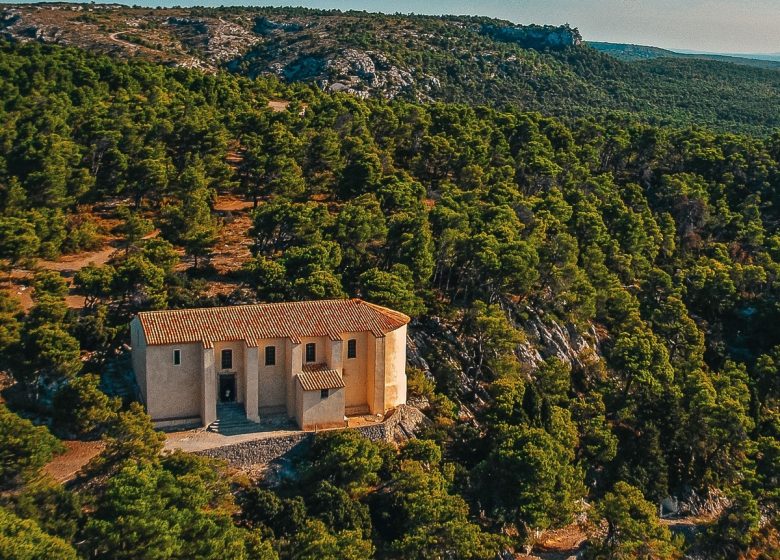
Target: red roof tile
[317,377]
[269,320]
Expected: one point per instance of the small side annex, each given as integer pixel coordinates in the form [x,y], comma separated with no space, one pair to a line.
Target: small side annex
[316,361]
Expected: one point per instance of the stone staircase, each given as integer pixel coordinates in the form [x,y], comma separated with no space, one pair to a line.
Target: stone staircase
[232,420]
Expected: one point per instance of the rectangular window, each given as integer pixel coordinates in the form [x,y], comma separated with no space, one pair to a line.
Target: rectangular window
[352,348]
[177,357]
[311,352]
[227,359]
[324,394]
[270,355]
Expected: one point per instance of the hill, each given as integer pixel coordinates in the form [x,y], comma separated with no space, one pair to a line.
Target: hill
[420,58]
[631,53]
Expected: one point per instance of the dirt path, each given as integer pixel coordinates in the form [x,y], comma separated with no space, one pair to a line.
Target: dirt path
[127,44]
[70,264]
[562,543]
[67,266]
[232,204]
[78,453]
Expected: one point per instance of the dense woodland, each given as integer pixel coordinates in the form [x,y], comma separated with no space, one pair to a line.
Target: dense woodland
[660,245]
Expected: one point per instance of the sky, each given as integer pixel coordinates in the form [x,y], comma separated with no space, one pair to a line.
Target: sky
[736,26]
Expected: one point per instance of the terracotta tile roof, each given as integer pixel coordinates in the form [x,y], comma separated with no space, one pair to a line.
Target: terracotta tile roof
[269,320]
[316,377]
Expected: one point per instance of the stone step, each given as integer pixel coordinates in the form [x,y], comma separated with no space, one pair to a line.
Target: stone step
[232,420]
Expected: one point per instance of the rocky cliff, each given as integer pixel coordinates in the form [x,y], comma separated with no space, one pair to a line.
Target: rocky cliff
[538,37]
[441,351]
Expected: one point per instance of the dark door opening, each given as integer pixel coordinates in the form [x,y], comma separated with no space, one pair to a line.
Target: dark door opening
[227,388]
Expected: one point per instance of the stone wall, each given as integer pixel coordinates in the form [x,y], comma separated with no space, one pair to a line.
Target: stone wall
[400,425]
[256,452]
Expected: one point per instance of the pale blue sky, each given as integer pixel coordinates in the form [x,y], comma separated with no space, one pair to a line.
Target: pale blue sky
[748,26]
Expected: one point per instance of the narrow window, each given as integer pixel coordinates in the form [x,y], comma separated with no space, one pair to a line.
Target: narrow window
[352,348]
[311,352]
[323,393]
[227,359]
[177,357]
[270,355]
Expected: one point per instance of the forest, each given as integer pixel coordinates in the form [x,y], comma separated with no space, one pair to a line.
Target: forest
[460,59]
[658,245]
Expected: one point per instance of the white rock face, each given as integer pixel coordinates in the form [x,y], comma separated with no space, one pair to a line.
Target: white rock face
[368,73]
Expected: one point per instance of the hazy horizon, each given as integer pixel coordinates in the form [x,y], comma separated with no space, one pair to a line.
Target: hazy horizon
[719,26]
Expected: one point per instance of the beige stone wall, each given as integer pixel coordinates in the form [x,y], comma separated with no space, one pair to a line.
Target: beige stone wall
[174,391]
[251,363]
[333,354]
[395,368]
[294,360]
[237,346]
[375,373]
[357,370]
[315,413]
[272,380]
[292,367]
[322,349]
[138,355]
[208,386]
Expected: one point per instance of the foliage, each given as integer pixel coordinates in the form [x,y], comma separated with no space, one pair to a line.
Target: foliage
[22,539]
[625,526]
[131,437]
[346,459]
[594,297]
[170,510]
[82,408]
[24,448]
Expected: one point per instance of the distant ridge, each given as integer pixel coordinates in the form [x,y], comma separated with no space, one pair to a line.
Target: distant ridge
[775,57]
[632,53]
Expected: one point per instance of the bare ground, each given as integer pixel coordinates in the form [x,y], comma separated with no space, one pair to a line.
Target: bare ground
[78,453]
[67,266]
[230,253]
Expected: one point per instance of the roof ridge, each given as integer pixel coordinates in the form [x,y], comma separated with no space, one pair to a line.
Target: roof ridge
[393,314]
[289,319]
[245,305]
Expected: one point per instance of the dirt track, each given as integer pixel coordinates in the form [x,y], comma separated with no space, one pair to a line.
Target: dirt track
[78,453]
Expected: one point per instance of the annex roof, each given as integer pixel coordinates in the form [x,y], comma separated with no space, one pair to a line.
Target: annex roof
[317,377]
[251,323]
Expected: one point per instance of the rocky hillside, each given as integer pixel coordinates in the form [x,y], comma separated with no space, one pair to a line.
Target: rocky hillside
[351,52]
[417,58]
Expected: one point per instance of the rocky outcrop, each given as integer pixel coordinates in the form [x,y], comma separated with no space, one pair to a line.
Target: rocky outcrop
[548,337]
[264,26]
[340,52]
[536,36]
[220,40]
[445,355]
[357,72]
[439,349]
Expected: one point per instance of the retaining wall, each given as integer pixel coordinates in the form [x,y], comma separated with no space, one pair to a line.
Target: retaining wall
[400,425]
